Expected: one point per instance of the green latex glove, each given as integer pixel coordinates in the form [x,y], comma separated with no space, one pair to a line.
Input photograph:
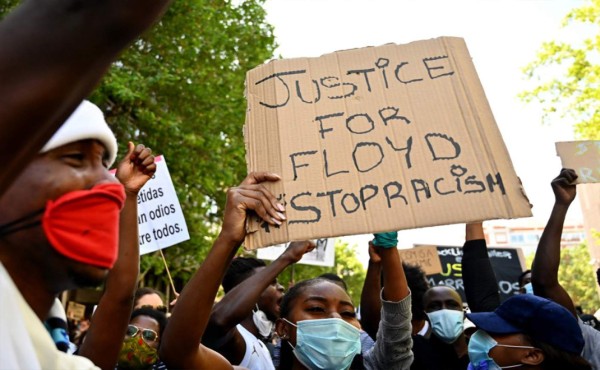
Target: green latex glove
[386,240]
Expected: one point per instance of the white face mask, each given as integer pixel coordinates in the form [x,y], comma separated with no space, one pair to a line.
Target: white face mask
[263,324]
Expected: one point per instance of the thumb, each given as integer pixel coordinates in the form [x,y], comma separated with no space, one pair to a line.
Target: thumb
[130,149]
[258,177]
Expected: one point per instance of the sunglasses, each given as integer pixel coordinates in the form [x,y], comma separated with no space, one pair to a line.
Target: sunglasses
[148,335]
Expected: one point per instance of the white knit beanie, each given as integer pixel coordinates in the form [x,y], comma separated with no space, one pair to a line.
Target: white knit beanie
[86,122]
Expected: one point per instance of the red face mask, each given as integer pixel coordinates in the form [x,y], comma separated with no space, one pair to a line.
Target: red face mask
[82,225]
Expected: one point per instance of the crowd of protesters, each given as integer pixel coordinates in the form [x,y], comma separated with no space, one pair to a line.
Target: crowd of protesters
[66,222]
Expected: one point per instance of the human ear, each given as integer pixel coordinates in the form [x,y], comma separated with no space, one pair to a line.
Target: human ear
[281,328]
[534,357]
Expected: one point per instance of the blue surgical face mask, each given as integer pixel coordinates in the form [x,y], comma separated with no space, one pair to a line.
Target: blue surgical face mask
[447,324]
[326,344]
[479,348]
[528,288]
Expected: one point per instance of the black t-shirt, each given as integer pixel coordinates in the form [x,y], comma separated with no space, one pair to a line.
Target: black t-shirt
[433,354]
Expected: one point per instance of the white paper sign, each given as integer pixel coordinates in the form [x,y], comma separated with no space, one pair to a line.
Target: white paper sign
[160,220]
[322,255]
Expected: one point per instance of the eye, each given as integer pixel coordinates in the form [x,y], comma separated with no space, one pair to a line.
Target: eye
[433,307]
[73,158]
[350,314]
[131,331]
[315,309]
[454,305]
[149,335]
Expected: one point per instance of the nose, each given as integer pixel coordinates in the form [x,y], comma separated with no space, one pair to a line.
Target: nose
[100,175]
[335,315]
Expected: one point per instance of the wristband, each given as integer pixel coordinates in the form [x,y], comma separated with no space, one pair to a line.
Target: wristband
[386,240]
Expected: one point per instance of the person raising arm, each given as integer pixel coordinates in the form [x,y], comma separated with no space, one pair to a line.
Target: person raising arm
[181,346]
[109,323]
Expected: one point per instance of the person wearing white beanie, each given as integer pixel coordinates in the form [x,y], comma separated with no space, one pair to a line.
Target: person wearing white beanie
[52,55]
[59,230]
[86,122]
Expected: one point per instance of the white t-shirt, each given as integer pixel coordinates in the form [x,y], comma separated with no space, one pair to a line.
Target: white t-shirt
[25,343]
[591,348]
[257,356]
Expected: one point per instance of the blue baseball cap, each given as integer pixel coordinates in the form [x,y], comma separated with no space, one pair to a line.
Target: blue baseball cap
[537,317]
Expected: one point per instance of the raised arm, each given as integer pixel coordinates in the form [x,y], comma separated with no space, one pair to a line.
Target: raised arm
[370,296]
[221,333]
[52,54]
[544,270]
[181,344]
[393,345]
[105,335]
[481,285]
[395,287]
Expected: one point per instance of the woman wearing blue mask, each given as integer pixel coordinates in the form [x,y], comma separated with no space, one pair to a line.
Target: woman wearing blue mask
[526,332]
[319,328]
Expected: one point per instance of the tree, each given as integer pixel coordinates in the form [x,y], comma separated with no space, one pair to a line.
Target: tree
[179,90]
[568,74]
[576,274]
[182,86]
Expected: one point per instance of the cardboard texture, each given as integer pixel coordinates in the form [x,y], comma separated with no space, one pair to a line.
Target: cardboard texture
[583,157]
[377,139]
[425,256]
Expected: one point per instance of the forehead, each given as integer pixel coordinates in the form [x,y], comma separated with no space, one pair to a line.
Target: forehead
[325,290]
[150,299]
[145,322]
[85,144]
[441,293]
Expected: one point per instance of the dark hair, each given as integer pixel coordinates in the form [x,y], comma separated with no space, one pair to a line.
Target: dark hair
[335,278]
[556,359]
[159,316]
[145,291]
[240,269]
[520,279]
[286,354]
[590,320]
[418,285]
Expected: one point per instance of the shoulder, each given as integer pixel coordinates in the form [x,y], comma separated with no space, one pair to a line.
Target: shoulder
[72,362]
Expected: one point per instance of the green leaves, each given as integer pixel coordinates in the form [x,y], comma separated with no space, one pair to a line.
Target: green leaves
[179,90]
[568,75]
[577,276]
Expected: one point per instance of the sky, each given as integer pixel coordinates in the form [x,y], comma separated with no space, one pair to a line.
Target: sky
[502,37]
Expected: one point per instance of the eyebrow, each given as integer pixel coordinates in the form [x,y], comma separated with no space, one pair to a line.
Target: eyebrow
[323,299]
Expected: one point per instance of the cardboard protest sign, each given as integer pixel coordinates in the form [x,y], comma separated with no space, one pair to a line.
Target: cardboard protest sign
[507,263]
[322,255]
[377,139]
[583,157]
[160,220]
[75,311]
[425,256]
